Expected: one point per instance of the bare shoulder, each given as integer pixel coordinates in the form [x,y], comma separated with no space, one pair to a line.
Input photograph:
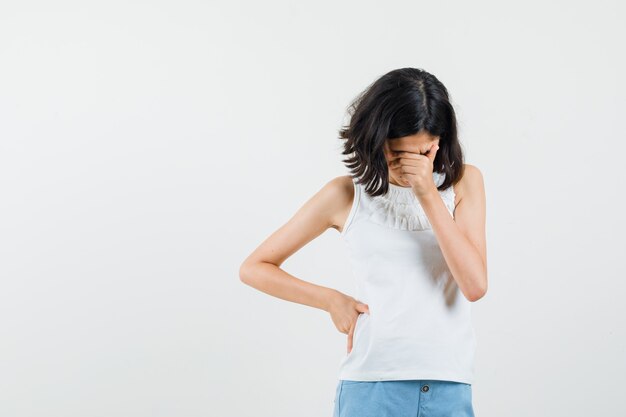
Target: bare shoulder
[471,183]
[325,208]
[339,192]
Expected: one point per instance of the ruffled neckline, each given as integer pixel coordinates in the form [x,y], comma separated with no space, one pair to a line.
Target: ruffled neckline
[400,208]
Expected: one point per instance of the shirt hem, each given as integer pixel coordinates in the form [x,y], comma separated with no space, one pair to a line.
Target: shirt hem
[404,375]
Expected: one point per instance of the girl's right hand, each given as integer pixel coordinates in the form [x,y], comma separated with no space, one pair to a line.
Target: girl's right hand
[344,312]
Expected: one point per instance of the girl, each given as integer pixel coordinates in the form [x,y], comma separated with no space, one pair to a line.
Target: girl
[413,217]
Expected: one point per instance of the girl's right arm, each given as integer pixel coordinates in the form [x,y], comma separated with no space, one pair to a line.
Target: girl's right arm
[329,207]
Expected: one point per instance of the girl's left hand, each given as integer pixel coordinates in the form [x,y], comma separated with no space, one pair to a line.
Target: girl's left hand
[416,170]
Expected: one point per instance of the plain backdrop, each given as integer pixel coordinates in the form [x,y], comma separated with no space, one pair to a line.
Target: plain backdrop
[148,147]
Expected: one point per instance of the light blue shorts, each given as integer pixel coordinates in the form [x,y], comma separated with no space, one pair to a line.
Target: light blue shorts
[403,398]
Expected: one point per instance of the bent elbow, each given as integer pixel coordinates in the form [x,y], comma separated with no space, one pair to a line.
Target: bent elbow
[477,294]
[245,272]
[475,297]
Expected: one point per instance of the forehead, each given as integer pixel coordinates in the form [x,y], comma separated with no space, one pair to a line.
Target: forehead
[413,141]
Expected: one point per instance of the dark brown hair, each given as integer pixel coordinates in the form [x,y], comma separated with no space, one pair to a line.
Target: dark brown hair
[401,103]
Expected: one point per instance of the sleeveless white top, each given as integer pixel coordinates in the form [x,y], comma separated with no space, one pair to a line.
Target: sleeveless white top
[419,325]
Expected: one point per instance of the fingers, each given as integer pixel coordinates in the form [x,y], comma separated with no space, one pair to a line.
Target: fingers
[363,308]
[350,333]
[406,154]
[405,161]
[395,162]
[432,152]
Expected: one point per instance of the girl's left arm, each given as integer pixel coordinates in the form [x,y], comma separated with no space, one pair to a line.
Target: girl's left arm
[462,238]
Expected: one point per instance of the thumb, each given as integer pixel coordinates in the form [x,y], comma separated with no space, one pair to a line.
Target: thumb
[363,308]
[433,152]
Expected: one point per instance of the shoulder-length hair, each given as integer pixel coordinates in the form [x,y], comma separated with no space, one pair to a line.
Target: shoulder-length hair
[401,103]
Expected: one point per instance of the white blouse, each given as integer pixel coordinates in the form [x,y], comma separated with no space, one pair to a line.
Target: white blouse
[419,325]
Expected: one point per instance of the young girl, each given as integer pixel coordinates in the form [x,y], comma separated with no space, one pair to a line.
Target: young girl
[413,217]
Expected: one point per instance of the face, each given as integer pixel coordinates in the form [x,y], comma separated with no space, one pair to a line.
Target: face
[418,143]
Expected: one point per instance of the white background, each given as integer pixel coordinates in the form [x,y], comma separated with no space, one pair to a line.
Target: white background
[148,147]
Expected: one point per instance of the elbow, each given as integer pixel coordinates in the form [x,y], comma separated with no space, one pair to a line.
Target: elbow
[478,292]
[245,272]
[476,296]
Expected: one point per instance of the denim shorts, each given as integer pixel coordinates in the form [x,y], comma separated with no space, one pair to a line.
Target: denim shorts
[403,398]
